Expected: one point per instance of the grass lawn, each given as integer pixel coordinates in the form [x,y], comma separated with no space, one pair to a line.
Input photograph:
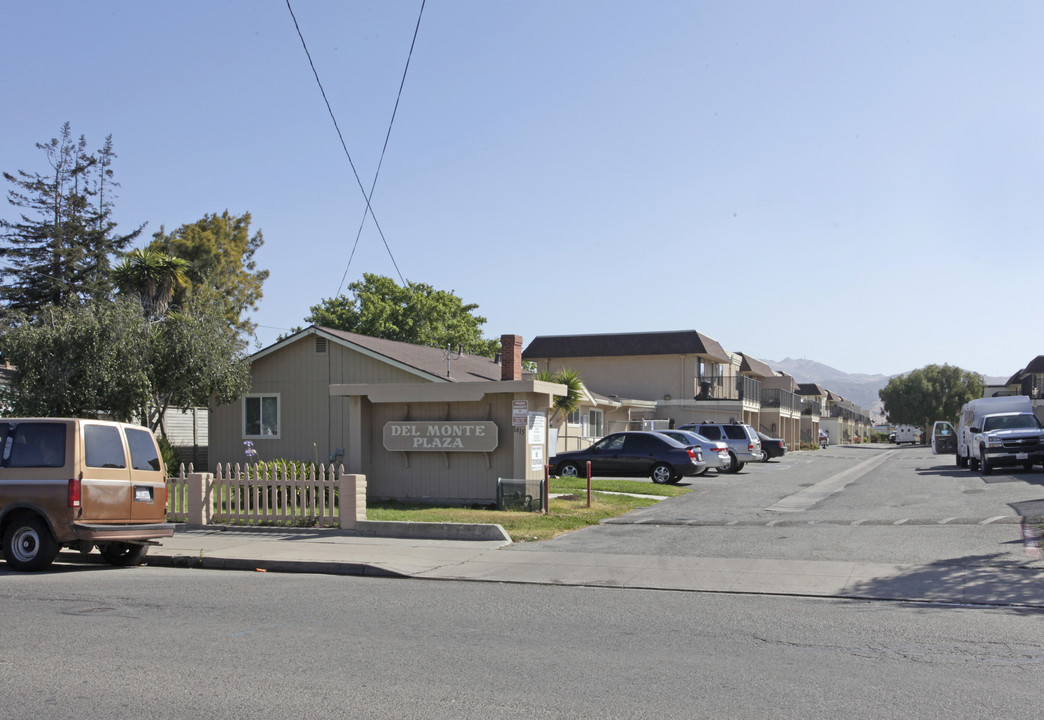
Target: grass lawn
[567,513]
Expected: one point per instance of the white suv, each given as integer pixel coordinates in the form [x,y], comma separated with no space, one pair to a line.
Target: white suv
[743,441]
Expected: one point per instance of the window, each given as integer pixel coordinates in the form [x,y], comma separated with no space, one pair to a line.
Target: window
[595,423]
[142,449]
[261,416]
[29,445]
[103,447]
[573,418]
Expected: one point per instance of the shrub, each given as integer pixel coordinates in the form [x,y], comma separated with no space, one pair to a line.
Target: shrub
[170,456]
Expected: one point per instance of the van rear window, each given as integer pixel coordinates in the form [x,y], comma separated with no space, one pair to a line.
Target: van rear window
[29,445]
[103,446]
[142,450]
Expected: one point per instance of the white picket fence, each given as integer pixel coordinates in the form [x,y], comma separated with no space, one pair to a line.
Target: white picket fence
[255,495]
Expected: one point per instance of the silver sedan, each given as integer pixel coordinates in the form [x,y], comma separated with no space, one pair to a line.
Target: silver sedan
[715,452]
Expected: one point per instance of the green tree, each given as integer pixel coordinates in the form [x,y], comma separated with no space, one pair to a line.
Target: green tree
[152,277]
[563,405]
[59,250]
[77,361]
[935,392]
[220,252]
[196,359]
[416,313]
[107,357]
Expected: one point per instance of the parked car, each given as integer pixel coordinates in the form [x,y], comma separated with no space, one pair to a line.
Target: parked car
[633,454]
[771,447]
[742,439]
[79,484]
[715,452]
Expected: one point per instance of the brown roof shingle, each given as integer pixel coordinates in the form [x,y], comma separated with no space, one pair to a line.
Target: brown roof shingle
[680,342]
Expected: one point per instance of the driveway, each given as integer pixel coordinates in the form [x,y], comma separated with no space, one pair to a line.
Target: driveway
[870,503]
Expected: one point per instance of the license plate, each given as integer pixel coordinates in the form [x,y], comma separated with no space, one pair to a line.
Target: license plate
[1022,456]
[143,494]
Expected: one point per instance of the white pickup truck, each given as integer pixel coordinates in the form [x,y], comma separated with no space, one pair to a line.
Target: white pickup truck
[993,432]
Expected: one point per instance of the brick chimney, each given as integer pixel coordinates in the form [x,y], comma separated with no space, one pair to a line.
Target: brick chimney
[511,369]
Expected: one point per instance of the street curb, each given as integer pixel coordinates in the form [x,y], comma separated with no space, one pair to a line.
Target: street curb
[397,529]
[278,566]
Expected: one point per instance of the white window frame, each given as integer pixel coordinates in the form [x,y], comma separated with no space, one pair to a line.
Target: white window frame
[592,426]
[279,415]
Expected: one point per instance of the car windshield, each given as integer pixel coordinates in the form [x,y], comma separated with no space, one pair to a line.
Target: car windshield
[1010,422]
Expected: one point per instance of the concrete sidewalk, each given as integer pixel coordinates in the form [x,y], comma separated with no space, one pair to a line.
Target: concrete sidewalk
[338,552]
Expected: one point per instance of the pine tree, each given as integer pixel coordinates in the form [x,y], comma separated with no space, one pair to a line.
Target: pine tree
[59,250]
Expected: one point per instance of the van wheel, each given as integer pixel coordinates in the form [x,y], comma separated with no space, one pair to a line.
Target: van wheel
[124,554]
[28,544]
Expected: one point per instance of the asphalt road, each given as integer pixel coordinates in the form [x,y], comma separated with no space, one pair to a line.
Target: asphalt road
[86,641]
[875,503]
[101,642]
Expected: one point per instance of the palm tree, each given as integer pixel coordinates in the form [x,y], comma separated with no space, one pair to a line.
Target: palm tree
[564,404]
[151,275]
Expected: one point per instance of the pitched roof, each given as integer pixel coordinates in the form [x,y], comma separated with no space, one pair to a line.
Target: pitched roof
[680,342]
[431,363]
[810,389]
[753,365]
[1036,365]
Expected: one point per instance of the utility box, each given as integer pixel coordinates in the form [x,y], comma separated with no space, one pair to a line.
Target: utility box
[520,494]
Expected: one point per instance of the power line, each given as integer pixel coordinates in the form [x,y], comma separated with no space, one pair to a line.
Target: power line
[344,146]
[380,162]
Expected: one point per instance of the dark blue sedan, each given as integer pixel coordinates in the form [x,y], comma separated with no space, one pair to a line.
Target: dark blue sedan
[633,454]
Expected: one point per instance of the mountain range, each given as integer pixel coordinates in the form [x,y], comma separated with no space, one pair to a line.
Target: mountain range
[857,387]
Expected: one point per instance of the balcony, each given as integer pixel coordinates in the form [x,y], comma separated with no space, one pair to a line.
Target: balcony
[785,400]
[741,388]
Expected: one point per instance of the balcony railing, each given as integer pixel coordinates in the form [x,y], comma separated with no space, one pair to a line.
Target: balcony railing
[719,388]
[785,400]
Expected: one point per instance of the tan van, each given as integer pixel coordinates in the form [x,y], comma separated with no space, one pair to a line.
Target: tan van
[79,484]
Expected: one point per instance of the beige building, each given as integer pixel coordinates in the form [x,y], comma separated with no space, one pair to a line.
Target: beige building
[421,423]
[682,376]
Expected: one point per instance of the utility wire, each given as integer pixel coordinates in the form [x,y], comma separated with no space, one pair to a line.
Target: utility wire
[329,109]
[380,162]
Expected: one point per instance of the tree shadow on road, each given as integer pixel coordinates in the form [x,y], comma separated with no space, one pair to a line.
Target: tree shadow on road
[975,579]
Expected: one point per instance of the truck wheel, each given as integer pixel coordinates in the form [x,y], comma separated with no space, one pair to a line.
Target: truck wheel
[984,463]
[124,554]
[973,463]
[28,544]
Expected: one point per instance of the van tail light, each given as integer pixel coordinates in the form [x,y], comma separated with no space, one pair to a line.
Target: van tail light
[74,492]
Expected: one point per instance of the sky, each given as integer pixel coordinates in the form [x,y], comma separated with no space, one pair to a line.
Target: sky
[858,183]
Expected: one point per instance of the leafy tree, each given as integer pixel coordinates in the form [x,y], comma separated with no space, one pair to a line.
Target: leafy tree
[108,357]
[152,277]
[220,252]
[932,393]
[59,250]
[416,313]
[77,361]
[196,359]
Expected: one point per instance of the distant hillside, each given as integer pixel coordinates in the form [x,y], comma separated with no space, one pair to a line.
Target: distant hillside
[858,388]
